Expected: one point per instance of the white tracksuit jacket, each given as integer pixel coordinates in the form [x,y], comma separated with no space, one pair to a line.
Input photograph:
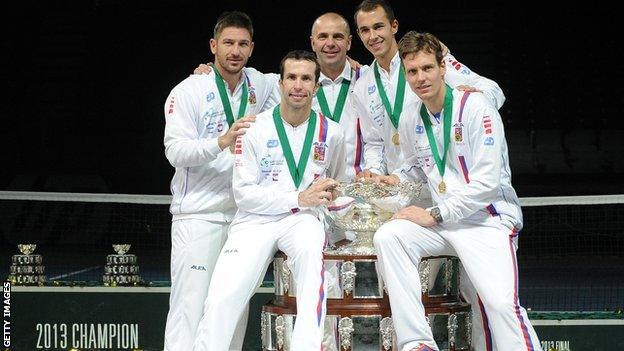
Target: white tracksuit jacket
[477,172]
[380,154]
[349,120]
[195,118]
[262,184]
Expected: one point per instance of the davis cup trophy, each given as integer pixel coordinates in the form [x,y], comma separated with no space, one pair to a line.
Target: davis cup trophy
[26,268]
[358,311]
[121,269]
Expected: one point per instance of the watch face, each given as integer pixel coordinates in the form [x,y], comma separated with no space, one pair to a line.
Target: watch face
[435,213]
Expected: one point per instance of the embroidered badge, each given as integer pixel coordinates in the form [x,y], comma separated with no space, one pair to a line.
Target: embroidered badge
[458,132]
[319,152]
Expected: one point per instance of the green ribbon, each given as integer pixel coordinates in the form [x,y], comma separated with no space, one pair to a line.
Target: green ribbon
[340,102]
[296,170]
[226,101]
[398,100]
[448,112]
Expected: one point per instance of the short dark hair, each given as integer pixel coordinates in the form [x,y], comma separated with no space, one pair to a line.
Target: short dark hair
[301,55]
[234,19]
[414,42]
[370,5]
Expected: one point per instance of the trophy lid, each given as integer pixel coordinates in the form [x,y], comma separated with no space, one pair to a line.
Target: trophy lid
[121,249]
[26,249]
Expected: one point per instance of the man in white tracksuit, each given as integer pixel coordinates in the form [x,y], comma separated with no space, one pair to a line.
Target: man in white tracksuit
[454,141]
[377,26]
[385,80]
[331,40]
[201,124]
[284,167]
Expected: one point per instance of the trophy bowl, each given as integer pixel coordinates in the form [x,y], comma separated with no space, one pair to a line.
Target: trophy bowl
[121,249]
[361,207]
[26,249]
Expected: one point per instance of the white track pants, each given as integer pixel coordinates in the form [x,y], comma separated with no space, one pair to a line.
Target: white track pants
[487,252]
[481,330]
[195,246]
[241,266]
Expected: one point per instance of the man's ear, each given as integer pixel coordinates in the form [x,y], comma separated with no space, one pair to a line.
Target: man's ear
[213,46]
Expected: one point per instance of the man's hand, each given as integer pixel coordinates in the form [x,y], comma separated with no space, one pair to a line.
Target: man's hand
[319,193]
[354,64]
[203,68]
[467,88]
[238,128]
[387,179]
[417,215]
[445,49]
[365,174]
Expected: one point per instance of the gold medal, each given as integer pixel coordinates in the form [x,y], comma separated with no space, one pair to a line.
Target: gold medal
[442,187]
[395,139]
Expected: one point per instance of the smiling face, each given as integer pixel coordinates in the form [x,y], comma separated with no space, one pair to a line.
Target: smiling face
[298,83]
[377,31]
[331,40]
[232,48]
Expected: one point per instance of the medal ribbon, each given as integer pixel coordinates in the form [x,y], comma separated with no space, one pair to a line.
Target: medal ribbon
[398,100]
[296,170]
[448,112]
[226,101]
[340,102]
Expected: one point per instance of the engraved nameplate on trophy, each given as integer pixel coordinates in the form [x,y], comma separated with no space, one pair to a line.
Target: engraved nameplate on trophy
[27,268]
[121,269]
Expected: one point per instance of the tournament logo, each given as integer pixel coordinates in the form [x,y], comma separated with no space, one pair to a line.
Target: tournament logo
[371,89]
[210,97]
[319,152]
[419,129]
[265,164]
[272,143]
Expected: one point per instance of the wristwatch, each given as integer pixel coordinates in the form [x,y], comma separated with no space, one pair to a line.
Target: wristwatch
[435,213]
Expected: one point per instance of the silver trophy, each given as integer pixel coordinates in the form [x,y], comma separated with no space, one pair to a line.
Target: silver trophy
[360,208]
[27,268]
[358,314]
[121,268]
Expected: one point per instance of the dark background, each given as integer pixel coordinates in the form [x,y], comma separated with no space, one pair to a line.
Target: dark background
[85,83]
[82,111]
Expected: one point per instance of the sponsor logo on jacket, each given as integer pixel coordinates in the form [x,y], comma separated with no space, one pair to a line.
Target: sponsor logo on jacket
[460,68]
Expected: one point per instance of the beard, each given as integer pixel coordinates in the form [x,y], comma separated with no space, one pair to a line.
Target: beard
[224,67]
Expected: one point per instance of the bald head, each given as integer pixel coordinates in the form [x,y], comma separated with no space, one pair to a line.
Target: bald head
[330,40]
[330,19]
